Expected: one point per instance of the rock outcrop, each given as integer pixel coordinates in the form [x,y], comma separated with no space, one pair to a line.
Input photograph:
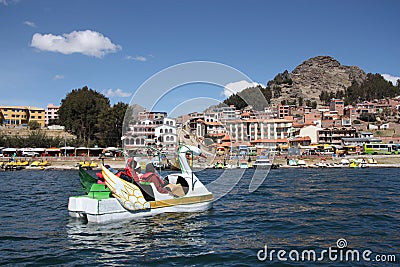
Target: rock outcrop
[317,74]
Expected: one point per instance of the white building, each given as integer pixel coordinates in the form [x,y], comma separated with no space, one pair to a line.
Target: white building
[255,129]
[160,133]
[311,131]
[51,113]
[166,135]
[141,134]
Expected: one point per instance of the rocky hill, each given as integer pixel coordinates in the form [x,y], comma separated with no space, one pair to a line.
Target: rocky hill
[313,76]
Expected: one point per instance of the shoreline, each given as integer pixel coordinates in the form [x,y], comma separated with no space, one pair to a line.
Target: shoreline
[70,163]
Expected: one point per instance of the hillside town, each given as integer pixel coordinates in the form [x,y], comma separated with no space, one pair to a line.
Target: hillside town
[288,130]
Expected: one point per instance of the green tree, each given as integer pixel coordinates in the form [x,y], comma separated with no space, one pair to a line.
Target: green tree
[374,87]
[314,104]
[80,111]
[252,94]
[301,101]
[109,127]
[34,125]
[369,117]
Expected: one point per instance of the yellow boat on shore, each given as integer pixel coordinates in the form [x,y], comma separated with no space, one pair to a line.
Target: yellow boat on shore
[38,163]
[87,164]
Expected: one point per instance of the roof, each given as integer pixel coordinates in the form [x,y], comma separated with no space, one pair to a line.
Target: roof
[300,138]
[266,140]
[226,137]
[217,123]
[355,139]
[216,134]
[226,144]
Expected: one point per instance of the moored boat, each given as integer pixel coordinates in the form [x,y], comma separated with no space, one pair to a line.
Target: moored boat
[243,165]
[262,162]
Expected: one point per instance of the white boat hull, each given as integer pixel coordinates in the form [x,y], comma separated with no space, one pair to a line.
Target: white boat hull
[110,209]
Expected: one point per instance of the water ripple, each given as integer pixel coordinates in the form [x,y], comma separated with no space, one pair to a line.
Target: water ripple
[292,209]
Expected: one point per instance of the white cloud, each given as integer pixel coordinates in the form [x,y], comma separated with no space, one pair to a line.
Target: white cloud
[236,87]
[89,43]
[391,78]
[116,93]
[137,58]
[58,77]
[30,23]
[7,2]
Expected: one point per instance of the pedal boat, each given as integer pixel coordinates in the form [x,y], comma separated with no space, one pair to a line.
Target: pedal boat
[121,200]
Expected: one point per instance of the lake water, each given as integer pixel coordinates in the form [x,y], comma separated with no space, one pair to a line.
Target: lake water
[294,209]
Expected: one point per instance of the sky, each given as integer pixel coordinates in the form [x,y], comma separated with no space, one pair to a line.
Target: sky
[48,48]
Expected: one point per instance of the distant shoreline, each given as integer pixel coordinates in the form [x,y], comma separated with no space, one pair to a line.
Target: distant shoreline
[70,163]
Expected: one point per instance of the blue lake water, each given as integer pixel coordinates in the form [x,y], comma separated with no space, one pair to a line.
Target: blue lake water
[294,209]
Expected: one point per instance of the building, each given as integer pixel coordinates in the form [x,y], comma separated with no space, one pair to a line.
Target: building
[160,133]
[337,105]
[299,141]
[334,136]
[51,113]
[226,113]
[310,131]
[283,111]
[22,115]
[151,115]
[269,144]
[141,134]
[254,129]
[351,112]
[210,128]
[366,107]
[313,117]
[166,135]
[359,141]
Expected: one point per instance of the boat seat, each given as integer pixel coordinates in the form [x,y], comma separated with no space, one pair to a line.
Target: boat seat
[147,191]
[99,191]
[182,181]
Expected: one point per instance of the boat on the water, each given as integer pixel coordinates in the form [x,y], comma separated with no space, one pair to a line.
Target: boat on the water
[186,193]
[262,162]
[86,180]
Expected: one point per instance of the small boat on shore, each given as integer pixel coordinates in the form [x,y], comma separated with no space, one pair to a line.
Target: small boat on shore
[42,163]
[87,165]
[186,193]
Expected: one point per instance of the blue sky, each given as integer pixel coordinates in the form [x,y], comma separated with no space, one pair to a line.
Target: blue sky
[48,48]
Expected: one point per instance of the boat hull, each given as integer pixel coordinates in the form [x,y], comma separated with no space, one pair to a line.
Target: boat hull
[107,210]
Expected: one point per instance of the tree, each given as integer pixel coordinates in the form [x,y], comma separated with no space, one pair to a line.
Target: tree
[109,127]
[314,104]
[374,87]
[80,111]
[368,117]
[301,101]
[33,125]
[251,94]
